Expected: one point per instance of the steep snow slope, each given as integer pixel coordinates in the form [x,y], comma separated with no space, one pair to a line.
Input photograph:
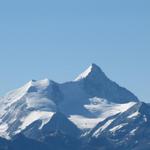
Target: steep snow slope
[129,127]
[21,107]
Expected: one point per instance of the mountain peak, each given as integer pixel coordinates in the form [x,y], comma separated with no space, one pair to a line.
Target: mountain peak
[93,69]
[93,65]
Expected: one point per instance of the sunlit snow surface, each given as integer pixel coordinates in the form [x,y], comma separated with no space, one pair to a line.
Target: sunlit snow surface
[84,74]
[36,115]
[118,127]
[134,115]
[96,133]
[101,109]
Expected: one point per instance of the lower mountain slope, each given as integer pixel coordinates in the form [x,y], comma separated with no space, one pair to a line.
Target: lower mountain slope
[128,130]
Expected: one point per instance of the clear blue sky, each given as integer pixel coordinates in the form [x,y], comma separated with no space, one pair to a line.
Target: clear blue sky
[59,39]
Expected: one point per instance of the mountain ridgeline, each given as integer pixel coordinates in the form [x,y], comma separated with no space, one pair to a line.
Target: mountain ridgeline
[89,113]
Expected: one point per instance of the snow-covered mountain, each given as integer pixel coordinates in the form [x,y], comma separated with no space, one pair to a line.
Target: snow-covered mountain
[127,130]
[91,106]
